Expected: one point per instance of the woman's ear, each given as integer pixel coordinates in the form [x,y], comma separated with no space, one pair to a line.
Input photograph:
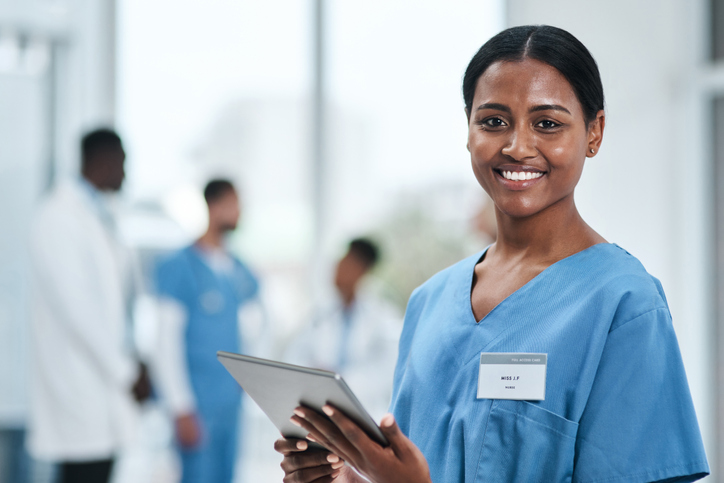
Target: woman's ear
[595,133]
[467,115]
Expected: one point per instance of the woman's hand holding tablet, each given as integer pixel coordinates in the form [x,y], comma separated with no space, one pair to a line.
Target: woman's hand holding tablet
[400,461]
[302,465]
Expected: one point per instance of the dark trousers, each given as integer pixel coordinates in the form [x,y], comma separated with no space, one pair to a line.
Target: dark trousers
[85,471]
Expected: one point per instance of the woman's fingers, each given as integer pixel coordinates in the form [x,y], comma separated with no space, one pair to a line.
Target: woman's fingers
[291,445]
[405,450]
[326,479]
[309,459]
[314,435]
[310,475]
[398,441]
[326,433]
[304,465]
[349,428]
[366,449]
[351,431]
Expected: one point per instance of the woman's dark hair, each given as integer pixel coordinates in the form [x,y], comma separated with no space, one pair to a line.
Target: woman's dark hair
[550,45]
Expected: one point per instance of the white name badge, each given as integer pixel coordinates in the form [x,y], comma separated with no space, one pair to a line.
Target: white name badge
[506,375]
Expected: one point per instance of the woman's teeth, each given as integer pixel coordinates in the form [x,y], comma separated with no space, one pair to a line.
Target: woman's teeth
[520,175]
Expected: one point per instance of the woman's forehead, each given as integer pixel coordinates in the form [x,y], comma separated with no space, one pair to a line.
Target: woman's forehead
[528,80]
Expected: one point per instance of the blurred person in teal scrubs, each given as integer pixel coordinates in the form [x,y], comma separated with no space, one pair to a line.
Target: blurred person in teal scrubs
[201,290]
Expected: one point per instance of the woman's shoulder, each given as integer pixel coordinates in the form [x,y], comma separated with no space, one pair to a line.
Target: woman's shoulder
[610,272]
[616,265]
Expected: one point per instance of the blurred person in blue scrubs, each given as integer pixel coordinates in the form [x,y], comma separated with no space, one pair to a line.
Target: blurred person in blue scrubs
[202,289]
[548,357]
[355,333]
[84,377]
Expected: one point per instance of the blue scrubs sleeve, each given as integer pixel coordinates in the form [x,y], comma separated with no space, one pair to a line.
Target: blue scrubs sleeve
[248,284]
[639,423]
[172,280]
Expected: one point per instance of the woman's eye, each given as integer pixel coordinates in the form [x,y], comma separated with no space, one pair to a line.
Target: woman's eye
[493,122]
[547,124]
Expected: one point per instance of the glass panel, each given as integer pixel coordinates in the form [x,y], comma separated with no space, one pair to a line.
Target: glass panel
[218,89]
[398,131]
[719,268]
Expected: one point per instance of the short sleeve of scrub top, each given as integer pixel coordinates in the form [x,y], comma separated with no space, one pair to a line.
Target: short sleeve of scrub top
[638,424]
[617,406]
[174,278]
[246,281]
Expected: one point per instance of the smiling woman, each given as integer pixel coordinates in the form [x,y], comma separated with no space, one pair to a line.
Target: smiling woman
[551,355]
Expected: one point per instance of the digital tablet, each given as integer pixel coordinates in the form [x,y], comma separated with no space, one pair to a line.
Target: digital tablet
[278,388]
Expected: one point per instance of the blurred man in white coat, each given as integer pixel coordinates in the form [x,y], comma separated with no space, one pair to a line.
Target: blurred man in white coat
[83,376]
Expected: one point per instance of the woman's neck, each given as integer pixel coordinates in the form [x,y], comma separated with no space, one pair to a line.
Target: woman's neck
[551,235]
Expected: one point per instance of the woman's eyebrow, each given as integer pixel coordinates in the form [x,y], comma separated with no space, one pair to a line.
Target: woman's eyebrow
[494,105]
[504,108]
[549,107]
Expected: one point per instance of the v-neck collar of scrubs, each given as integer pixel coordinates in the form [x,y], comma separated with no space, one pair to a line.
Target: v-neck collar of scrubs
[468,292]
[495,324]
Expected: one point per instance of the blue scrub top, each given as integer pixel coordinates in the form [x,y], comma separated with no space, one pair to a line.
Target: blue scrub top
[617,406]
[211,301]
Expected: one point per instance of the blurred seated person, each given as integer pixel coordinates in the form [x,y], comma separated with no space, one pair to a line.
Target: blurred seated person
[354,334]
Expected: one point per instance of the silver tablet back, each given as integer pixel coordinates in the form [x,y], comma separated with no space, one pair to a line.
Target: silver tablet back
[279,388]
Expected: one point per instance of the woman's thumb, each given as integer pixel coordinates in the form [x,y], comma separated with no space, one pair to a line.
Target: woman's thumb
[392,432]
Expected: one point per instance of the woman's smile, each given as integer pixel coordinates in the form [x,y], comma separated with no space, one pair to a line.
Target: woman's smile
[518,177]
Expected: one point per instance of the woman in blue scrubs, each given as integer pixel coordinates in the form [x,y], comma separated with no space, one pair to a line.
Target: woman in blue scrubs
[616,405]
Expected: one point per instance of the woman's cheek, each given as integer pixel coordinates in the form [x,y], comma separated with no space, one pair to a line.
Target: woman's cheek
[483,181]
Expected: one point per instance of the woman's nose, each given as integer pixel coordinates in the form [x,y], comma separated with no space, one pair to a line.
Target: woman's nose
[520,145]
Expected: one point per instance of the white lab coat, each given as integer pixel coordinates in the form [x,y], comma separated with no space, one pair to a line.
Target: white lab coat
[81,407]
[371,355]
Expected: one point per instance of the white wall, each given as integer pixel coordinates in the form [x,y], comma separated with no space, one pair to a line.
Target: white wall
[42,93]
[647,189]
[83,32]
[86,74]
[21,151]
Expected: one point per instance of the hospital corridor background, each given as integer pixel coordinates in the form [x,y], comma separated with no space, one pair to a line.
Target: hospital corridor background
[339,128]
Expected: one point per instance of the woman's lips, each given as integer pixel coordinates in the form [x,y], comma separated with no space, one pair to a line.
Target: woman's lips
[519,179]
[521,175]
